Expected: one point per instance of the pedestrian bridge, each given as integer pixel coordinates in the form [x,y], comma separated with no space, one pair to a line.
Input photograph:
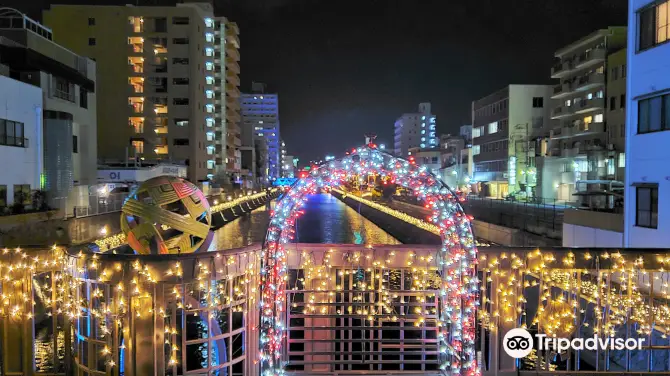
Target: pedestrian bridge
[348,309]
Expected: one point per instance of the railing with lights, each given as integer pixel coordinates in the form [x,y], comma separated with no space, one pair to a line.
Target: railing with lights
[348,309]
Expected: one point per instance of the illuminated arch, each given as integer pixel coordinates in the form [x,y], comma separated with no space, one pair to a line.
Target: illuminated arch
[457,256]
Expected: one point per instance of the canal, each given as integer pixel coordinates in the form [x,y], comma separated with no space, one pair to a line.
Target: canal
[326,220]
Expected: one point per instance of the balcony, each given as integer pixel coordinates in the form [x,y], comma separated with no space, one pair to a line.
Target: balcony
[233,79]
[232,65]
[232,52]
[232,91]
[136,109]
[590,81]
[561,112]
[561,69]
[591,58]
[562,90]
[558,133]
[134,69]
[589,128]
[589,105]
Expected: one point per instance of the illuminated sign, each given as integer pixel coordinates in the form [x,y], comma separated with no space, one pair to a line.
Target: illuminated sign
[284,182]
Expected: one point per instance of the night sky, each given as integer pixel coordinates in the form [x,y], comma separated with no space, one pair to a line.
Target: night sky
[346,67]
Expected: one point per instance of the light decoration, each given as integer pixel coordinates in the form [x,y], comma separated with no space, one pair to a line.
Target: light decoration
[457,256]
[113,241]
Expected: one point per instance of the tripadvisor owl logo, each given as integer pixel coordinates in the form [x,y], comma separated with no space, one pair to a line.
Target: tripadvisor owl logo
[518,343]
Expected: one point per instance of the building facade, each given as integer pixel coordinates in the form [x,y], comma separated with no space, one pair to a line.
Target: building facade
[21,141]
[647,184]
[415,130]
[503,124]
[68,82]
[260,118]
[579,155]
[166,62]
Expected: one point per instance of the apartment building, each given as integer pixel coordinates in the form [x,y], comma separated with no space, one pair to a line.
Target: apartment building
[66,135]
[161,97]
[229,158]
[647,183]
[415,130]
[260,118]
[503,126]
[579,155]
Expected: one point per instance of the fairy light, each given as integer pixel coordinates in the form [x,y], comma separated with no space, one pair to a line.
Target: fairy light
[458,254]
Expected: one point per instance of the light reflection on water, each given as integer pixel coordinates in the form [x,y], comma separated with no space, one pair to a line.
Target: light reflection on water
[326,220]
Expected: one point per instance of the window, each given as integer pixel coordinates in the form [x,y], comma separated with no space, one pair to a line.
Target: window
[476,149]
[180,20]
[91,41]
[538,102]
[599,118]
[477,132]
[568,103]
[180,142]
[654,114]
[623,71]
[181,122]
[646,214]
[654,28]
[75,144]
[3,195]
[160,25]
[180,81]
[11,134]
[22,194]
[622,160]
[622,104]
[179,40]
[180,60]
[180,101]
[612,103]
[138,146]
[83,97]
[493,127]
[615,73]
[91,21]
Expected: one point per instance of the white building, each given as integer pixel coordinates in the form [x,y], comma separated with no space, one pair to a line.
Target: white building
[647,184]
[68,84]
[503,125]
[21,147]
[415,130]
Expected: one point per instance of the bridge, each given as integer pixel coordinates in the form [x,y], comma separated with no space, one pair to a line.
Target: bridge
[282,307]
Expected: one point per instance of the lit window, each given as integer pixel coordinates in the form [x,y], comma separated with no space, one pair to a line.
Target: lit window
[423,139]
[568,103]
[654,25]
[423,145]
[138,146]
[476,132]
[260,134]
[622,160]
[589,96]
[209,22]
[493,127]
[423,131]
[209,66]
[432,120]
[209,37]
[209,51]
[475,150]
[210,80]
[209,94]
[423,118]
[599,118]
[260,122]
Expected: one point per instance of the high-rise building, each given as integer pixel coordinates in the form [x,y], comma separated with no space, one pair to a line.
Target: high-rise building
[289,167]
[647,183]
[161,97]
[415,130]
[502,127]
[67,137]
[260,117]
[583,146]
[227,37]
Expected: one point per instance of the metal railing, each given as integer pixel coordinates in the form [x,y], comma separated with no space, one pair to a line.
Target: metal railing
[531,216]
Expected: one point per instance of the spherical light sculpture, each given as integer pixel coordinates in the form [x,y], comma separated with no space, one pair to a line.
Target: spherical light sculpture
[164,215]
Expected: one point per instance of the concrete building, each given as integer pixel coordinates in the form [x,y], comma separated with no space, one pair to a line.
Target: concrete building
[647,188]
[289,166]
[466,133]
[68,104]
[578,148]
[454,167]
[21,141]
[227,57]
[428,157]
[260,118]
[415,130]
[502,127]
[161,97]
